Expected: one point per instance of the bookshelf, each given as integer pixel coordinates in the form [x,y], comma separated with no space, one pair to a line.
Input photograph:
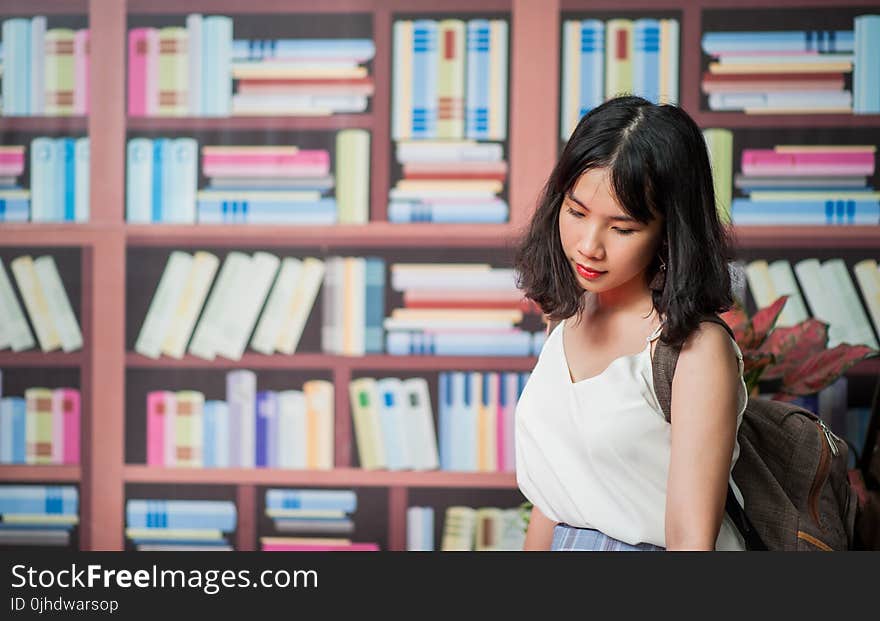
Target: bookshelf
[108,246]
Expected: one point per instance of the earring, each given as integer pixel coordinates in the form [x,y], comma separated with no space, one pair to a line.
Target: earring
[659,280]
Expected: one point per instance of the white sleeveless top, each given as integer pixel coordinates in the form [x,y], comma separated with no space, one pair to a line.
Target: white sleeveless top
[595,453]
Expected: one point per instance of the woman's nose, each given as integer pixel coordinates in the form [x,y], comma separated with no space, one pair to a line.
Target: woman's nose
[591,245]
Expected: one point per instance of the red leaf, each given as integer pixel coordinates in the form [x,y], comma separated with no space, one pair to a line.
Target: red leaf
[755,363]
[792,345]
[764,320]
[821,370]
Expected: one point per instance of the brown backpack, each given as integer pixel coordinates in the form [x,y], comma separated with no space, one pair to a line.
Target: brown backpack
[791,470]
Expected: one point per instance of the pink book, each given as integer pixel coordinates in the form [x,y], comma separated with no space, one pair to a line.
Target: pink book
[57,426]
[769,162]
[81,72]
[70,410]
[159,402]
[12,158]
[11,170]
[300,547]
[302,157]
[151,82]
[260,170]
[137,71]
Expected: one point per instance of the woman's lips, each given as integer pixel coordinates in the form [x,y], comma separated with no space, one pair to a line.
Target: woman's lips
[587,273]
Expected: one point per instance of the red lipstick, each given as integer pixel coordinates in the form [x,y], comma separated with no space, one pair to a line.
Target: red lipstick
[585,272]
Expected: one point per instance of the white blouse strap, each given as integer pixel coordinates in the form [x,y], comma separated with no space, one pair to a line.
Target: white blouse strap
[656,332]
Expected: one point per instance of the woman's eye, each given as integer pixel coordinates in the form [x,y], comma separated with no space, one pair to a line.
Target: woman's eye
[625,231]
[575,212]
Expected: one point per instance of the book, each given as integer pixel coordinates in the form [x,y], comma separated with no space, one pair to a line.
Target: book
[38,425]
[35,302]
[300,305]
[194,290]
[164,305]
[14,330]
[58,303]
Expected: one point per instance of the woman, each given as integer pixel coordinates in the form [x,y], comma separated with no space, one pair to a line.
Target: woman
[625,248]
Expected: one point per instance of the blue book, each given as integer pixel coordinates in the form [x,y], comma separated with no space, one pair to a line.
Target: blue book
[745,211]
[404,343]
[466,427]
[16,83]
[374,337]
[47,526]
[262,426]
[312,499]
[866,79]
[424,73]
[267,429]
[393,437]
[444,419]
[209,435]
[160,174]
[213,514]
[222,457]
[81,179]
[44,184]
[58,206]
[592,91]
[646,60]
[477,93]
[217,38]
[69,179]
[492,212]
[53,499]
[14,210]
[779,41]
[457,415]
[139,182]
[320,212]
[324,49]
[202,543]
[6,435]
[179,205]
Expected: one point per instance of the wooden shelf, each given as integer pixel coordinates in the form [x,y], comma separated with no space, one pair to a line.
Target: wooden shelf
[336,477]
[41,124]
[328,361]
[373,235]
[231,7]
[41,359]
[279,123]
[37,474]
[807,237]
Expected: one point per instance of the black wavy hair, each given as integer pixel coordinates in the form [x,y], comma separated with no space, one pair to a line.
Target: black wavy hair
[658,164]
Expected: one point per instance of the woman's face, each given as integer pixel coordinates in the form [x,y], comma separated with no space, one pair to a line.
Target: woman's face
[597,234]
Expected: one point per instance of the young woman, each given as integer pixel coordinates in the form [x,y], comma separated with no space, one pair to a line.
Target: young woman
[625,248]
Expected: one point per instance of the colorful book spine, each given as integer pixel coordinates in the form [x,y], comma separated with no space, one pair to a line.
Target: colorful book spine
[38,425]
[424,85]
[59,72]
[266,432]
[241,395]
[38,58]
[35,302]
[139,182]
[160,407]
[173,72]
[189,433]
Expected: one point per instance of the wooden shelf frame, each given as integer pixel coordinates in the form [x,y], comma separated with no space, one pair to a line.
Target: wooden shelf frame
[532,151]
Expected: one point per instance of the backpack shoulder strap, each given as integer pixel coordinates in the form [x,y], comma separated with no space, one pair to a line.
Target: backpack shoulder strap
[663,365]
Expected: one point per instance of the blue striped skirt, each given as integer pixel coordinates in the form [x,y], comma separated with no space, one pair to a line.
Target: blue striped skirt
[570,539]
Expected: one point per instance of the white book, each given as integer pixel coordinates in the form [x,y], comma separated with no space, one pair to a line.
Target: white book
[165,301]
[272,319]
[794,311]
[300,305]
[395,430]
[496,279]
[221,299]
[82,155]
[44,185]
[417,399]
[331,325]
[241,397]
[353,180]
[319,412]
[760,283]
[292,429]
[14,330]
[354,306]
[59,305]
[194,62]
[809,274]
[852,313]
[251,288]
[221,434]
[364,400]
[868,276]
[35,302]
[192,298]
[409,152]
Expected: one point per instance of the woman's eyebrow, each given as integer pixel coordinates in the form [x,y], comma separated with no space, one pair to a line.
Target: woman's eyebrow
[615,218]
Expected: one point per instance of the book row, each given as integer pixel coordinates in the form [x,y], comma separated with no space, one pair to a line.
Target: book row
[829,294]
[164,525]
[47,304]
[59,179]
[45,70]
[263,429]
[481,529]
[248,184]
[601,59]
[794,184]
[794,71]
[38,515]
[449,309]
[43,427]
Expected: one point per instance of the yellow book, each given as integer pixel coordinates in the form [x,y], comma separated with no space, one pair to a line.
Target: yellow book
[201,534]
[513,315]
[173,72]
[189,304]
[401,81]
[488,528]
[39,518]
[270,71]
[38,425]
[720,146]
[353,176]
[59,77]
[868,277]
[450,79]
[35,302]
[619,52]
[470,185]
[319,423]
[363,396]
[189,421]
[829,67]
[497,79]
[572,67]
